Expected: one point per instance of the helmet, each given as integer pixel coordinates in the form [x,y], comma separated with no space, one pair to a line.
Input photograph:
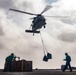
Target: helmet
[66,53]
[12,54]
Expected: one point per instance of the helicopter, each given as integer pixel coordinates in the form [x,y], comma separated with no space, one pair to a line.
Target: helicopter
[38,21]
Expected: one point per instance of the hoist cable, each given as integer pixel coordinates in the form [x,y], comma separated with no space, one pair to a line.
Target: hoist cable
[44,47]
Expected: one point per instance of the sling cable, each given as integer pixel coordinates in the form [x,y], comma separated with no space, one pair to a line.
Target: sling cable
[47,55]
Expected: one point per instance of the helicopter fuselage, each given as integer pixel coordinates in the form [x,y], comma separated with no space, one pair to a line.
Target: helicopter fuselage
[38,22]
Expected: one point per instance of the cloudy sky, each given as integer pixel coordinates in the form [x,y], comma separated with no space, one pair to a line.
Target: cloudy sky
[59,35]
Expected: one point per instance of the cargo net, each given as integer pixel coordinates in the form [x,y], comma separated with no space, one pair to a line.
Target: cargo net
[47,55]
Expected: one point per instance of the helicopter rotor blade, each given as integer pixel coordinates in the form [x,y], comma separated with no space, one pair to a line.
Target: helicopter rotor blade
[57,16]
[46,9]
[22,11]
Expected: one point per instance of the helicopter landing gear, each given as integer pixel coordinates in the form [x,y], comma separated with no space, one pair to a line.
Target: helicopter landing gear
[33,34]
[44,26]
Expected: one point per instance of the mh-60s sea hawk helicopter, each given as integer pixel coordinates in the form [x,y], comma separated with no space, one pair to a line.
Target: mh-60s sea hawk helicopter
[39,20]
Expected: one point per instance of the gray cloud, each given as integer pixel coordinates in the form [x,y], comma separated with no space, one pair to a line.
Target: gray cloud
[1,46]
[67,37]
[1,31]
[25,5]
[71,19]
[6,3]
[67,21]
[50,1]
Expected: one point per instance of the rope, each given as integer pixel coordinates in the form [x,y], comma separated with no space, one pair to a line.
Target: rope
[44,47]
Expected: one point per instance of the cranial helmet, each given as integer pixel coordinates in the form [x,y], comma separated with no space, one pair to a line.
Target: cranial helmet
[66,53]
[12,54]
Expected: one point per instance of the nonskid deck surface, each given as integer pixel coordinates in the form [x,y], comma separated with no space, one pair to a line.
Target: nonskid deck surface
[40,72]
